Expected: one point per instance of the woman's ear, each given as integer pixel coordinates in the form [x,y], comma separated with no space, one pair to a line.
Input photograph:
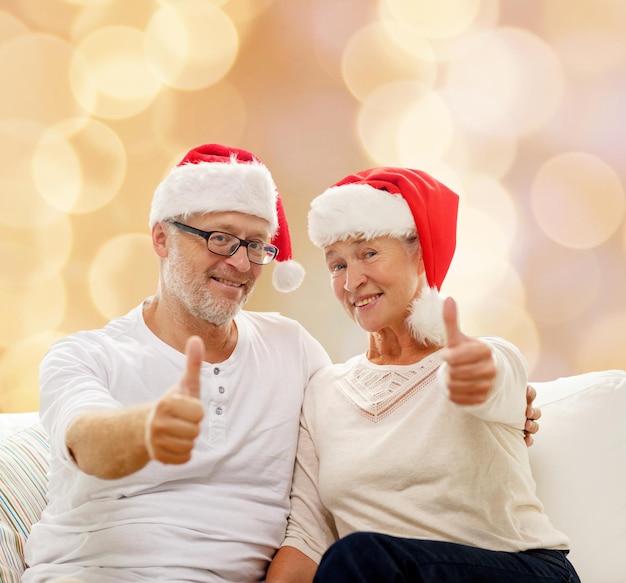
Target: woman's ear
[421,269]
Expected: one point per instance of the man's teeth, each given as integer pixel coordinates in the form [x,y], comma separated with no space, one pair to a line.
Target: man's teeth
[228,282]
[366,301]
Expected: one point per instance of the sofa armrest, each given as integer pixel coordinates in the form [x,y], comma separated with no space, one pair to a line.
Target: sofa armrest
[579,465]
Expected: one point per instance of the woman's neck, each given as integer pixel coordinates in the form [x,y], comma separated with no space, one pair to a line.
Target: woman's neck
[387,347]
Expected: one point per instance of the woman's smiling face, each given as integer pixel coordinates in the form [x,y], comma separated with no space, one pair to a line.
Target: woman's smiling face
[375,280]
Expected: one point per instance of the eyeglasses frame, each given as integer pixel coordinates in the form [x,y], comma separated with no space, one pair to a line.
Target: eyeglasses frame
[206,235]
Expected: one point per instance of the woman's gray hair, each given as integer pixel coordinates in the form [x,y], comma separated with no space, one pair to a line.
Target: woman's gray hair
[412,242]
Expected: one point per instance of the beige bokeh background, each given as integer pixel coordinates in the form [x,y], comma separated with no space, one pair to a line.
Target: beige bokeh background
[518,106]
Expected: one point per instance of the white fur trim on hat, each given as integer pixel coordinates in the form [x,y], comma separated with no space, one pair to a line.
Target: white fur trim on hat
[353,210]
[206,187]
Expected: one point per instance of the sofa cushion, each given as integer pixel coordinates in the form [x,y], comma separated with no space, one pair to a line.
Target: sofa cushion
[23,481]
[579,465]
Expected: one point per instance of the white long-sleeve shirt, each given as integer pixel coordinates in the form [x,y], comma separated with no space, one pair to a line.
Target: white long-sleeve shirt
[217,518]
[383,449]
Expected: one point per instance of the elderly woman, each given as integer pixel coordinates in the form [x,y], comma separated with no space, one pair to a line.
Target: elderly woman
[411,461]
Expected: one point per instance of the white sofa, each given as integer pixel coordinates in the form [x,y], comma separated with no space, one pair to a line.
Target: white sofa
[578,459]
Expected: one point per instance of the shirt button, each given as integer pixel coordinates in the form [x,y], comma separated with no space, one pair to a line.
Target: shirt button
[218,411]
[221,390]
[216,370]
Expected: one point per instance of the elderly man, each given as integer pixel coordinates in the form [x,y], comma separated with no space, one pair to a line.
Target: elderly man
[173,429]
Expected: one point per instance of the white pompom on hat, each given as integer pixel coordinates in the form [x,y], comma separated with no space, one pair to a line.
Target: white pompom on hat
[396,202]
[216,178]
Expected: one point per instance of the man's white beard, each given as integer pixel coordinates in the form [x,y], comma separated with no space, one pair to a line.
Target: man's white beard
[426,318]
[192,292]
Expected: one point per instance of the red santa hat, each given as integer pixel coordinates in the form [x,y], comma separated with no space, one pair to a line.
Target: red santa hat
[397,202]
[215,178]
[390,201]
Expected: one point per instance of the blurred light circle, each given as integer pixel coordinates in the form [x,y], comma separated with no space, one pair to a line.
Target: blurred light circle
[425,132]
[123,273]
[21,204]
[484,193]
[603,345]
[110,74]
[587,34]
[561,284]
[443,18]
[26,310]
[49,17]
[445,48]
[19,372]
[244,11]
[22,207]
[381,116]
[175,116]
[503,64]
[578,200]
[79,165]
[480,230]
[383,52]
[191,44]
[30,257]
[476,274]
[591,52]
[35,82]
[487,136]
[88,3]
[10,26]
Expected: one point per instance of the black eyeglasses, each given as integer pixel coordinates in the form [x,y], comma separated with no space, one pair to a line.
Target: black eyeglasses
[226,244]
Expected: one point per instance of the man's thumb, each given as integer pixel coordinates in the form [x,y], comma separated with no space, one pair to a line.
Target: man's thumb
[190,383]
[451,321]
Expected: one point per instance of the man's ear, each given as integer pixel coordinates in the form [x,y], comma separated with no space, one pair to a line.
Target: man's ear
[159,239]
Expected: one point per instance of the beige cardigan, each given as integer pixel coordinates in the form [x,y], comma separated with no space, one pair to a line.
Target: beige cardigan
[390,453]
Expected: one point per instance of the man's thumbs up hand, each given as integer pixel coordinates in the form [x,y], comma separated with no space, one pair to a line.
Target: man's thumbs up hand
[173,422]
[190,383]
[471,368]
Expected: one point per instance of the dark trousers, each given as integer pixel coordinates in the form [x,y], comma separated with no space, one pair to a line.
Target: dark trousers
[365,557]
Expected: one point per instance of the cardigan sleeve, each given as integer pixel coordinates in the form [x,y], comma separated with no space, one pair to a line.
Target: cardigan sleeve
[506,402]
[310,527]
